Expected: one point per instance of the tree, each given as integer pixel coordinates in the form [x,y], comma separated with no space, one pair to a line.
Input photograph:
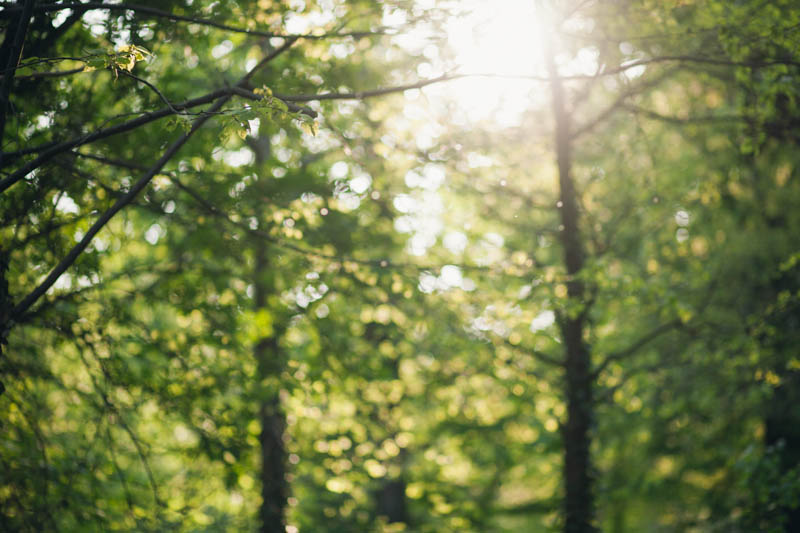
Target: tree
[272,344]
[54,189]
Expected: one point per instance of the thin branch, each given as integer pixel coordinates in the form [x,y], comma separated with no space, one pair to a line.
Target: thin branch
[620,102]
[536,354]
[640,343]
[687,59]
[294,108]
[684,120]
[361,95]
[41,60]
[47,305]
[152,87]
[620,69]
[51,74]
[160,13]
[111,406]
[53,150]
[110,161]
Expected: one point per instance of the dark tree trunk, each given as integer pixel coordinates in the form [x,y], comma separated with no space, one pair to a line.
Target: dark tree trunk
[273,467]
[391,501]
[783,433]
[5,310]
[10,52]
[274,489]
[578,498]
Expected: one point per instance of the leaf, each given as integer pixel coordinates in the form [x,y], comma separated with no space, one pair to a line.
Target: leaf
[280,105]
[97,62]
[186,124]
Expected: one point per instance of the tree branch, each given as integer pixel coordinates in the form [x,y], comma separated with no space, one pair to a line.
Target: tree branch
[536,354]
[160,13]
[239,89]
[50,74]
[638,344]
[683,120]
[618,103]
[361,95]
[128,197]
[52,150]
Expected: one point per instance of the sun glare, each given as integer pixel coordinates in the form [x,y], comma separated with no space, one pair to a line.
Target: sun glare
[500,46]
[500,42]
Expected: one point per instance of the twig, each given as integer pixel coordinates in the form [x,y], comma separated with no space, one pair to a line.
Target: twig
[152,87]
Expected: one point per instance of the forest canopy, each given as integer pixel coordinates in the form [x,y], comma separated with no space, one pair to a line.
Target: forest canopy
[400,265]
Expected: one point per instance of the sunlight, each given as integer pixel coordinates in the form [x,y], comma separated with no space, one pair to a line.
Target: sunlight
[500,46]
[497,37]
[501,39]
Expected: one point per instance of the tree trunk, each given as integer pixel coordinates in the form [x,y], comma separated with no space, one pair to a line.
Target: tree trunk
[5,310]
[274,488]
[273,467]
[391,501]
[578,498]
[783,434]
[10,52]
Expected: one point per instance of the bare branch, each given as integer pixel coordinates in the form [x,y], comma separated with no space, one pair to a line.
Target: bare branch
[361,95]
[687,59]
[643,341]
[536,354]
[684,120]
[152,87]
[620,102]
[160,13]
[51,74]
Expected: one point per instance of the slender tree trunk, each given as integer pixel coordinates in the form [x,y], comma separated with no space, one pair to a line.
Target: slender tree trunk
[391,501]
[273,421]
[10,52]
[5,310]
[782,423]
[273,467]
[578,499]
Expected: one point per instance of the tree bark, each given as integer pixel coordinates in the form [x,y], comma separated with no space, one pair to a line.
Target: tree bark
[10,52]
[273,467]
[391,501]
[576,430]
[5,310]
[274,488]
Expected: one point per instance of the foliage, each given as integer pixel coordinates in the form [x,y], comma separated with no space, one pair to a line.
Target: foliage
[279,304]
